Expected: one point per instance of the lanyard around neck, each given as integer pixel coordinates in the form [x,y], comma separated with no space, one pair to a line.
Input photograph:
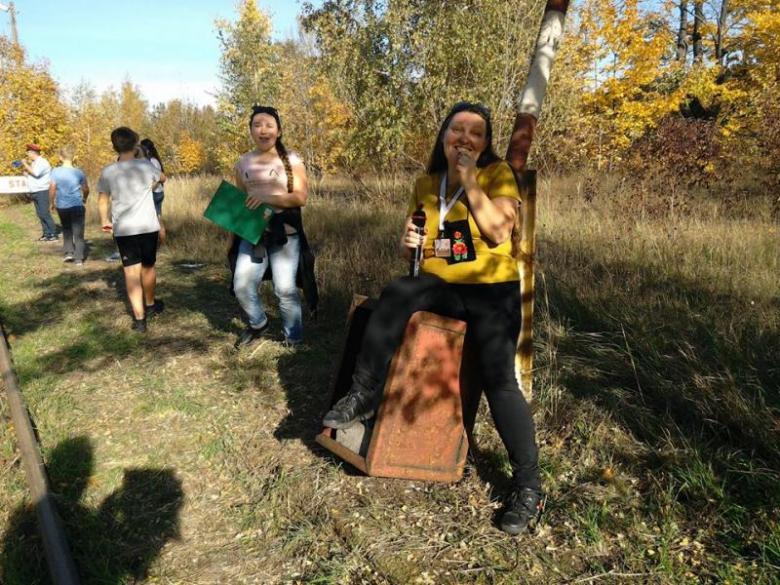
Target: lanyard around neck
[444,207]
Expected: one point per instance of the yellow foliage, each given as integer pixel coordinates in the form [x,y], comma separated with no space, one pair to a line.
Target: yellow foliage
[30,107]
[190,155]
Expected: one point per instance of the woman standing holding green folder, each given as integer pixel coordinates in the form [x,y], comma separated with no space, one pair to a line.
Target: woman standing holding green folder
[270,175]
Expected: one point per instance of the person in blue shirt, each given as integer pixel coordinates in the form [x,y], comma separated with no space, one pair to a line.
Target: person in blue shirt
[68,193]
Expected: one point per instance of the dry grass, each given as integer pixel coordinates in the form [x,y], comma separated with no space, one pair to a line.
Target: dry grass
[658,410]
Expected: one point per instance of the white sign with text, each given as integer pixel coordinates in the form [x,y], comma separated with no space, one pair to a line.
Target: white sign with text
[10,185]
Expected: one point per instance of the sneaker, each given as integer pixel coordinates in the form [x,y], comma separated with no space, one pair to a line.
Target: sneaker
[79,263]
[250,335]
[52,238]
[43,239]
[354,407]
[139,325]
[524,509]
[113,257]
[68,258]
[155,309]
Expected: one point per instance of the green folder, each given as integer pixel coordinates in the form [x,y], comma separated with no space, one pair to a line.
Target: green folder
[228,210]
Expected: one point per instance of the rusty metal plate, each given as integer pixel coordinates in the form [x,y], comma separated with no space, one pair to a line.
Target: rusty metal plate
[418,433]
[419,430]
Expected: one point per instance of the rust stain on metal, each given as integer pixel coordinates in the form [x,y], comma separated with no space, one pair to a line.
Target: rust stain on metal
[419,431]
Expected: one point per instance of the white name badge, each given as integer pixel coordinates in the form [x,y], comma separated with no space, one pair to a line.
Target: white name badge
[442,248]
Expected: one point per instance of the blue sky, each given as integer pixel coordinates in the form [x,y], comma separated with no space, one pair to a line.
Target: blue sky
[166,47]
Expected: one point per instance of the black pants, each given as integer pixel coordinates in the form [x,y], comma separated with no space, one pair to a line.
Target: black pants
[41,200]
[492,313]
[73,220]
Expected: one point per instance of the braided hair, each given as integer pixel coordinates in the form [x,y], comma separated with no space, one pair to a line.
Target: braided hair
[280,148]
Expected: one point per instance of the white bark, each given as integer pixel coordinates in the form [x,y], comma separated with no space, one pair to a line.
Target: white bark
[531,99]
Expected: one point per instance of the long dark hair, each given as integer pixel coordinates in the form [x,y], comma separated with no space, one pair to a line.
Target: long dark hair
[437,163]
[280,148]
[151,152]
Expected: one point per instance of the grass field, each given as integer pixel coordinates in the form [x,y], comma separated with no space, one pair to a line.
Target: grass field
[657,398]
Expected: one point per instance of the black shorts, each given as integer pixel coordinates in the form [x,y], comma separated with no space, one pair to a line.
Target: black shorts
[140,248]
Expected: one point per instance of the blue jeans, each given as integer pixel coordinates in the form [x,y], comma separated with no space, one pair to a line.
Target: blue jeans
[41,200]
[284,266]
[158,199]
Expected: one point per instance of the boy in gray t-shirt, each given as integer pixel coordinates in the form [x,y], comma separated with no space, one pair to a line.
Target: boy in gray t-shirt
[127,186]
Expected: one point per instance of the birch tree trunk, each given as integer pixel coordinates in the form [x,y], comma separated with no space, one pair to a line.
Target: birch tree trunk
[529,106]
[722,18]
[698,25]
[682,32]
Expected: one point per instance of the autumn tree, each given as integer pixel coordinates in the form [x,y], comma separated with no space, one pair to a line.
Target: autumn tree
[31,108]
[133,107]
[190,154]
[399,66]
[315,120]
[753,127]
[250,74]
[92,118]
[173,123]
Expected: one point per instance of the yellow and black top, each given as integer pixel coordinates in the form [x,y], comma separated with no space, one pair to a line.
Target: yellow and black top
[494,262]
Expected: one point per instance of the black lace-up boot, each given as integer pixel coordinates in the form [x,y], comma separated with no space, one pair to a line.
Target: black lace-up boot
[356,406]
[524,509]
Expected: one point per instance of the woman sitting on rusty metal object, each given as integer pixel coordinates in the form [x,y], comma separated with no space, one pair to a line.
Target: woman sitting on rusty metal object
[468,272]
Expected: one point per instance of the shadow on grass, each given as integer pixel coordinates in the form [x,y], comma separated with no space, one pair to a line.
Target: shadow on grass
[92,252]
[667,354]
[182,290]
[117,542]
[306,378]
[99,339]
[689,372]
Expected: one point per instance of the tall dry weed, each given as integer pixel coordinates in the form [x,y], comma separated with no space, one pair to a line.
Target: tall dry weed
[677,310]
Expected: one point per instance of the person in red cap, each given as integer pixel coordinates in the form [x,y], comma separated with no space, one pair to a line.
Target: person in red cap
[38,172]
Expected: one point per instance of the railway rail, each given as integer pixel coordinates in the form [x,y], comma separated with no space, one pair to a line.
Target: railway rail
[55,544]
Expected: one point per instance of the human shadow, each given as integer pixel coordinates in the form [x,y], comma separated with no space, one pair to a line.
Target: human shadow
[58,252]
[207,293]
[111,544]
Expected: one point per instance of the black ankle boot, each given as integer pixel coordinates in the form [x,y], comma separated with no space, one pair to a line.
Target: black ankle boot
[139,325]
[524,509]
[250,335]
[154,309]
[355,406]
